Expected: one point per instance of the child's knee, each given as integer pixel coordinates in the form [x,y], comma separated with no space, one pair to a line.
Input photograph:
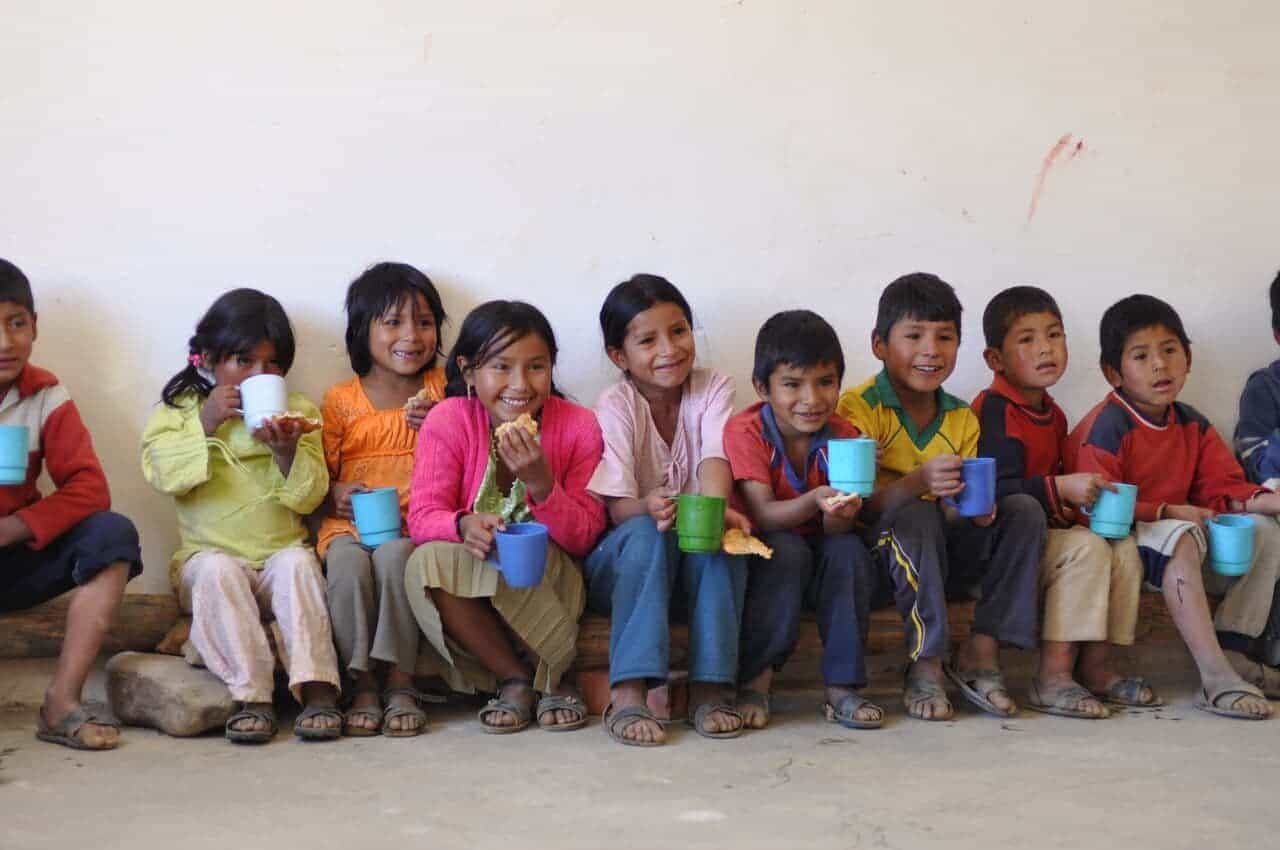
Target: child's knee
[1022,513]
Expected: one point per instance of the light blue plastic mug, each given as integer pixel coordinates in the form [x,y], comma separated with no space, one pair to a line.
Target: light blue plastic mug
[1112,515]
[521,553]
[1231,544]
[851,465]
[377,515]
[13,454]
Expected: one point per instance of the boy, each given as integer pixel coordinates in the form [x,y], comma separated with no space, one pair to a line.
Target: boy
[1090,585]
[777,451]
[925,434]
[69,539]
[1140,433]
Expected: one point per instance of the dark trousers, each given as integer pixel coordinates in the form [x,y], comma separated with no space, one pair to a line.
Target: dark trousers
[922,557]
[29,576]
[832,575]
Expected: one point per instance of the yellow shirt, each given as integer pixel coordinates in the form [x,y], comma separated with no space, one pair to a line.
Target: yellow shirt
[873,407]
[229,492]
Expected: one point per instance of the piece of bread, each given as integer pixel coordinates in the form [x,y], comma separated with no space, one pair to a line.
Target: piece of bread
[833,502]
[305,423]
[417,398]
[524,421]
[738,542]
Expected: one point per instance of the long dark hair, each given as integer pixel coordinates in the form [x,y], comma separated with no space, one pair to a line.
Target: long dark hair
[489,330]
[383,287]
[631,298]
[236,323]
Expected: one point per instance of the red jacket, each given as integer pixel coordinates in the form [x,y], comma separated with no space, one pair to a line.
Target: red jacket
[1026,443]
[59,440]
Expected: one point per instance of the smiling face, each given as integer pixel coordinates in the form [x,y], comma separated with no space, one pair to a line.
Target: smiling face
[403,340]
[1153,369]
[17,335]
[802,398]
[235,368]
[918,356]
[1034,354]
[658,350]
[516,380]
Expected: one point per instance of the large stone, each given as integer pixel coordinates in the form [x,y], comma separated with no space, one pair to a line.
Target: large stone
[166,693]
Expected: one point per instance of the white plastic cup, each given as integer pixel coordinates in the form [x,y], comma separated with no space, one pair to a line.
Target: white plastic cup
[262,397]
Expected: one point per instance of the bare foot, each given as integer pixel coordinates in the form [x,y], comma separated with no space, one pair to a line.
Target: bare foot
[926,695]
[1050,688]
[320,695]
[866,713]
[516,692]
[754,715]
[366,706]
[633,693]
[398,680]
[982,652]
[1229,697]
[251,724]
[561,716]
[95,736]
[715,721]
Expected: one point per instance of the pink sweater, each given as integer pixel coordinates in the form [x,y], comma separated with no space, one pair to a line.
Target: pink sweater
[453,451]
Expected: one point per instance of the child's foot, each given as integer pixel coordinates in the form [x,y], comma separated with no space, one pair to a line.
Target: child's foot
[1262,677]
[716,721]
[925,695]
[72,725]
[848,708]
[753,700]
[252,723]
[562,709]
[1231,696]
[511,708]
[1064,696]
[320,716]
[978,658]
[638,728]
[364,716]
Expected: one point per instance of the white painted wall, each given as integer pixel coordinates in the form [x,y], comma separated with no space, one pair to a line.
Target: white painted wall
[762,154]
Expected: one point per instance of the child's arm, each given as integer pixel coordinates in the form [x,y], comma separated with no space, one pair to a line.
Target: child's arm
[300,460]
[657,504]
[175,453]
[77,474]
[715,479]
[335,423]
[1219,481]
[772,514]
[1010,454]
[573,516]
[939,476]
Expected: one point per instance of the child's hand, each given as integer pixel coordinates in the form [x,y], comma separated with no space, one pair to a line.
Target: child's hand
[832,502]
[477,532]
[13,530]
[733,519]
[340,494]
[280,435]
[662,508]
[416,412]
[1190,513]
[942,476]
[1267,504]
[222,404]
[1082,489]
[522,454]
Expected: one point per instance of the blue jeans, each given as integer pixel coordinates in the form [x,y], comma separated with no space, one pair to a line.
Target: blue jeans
[632,576]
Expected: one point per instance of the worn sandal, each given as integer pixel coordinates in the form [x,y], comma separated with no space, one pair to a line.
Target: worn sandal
[699,719]
[318,733]
[1126,692]
[918,690]
[846,709]
[977,685]
[617,722]
[750,698]
[1061,702]
[251,711]
[393,712]
[1208,703]
[373,712]
[562,702]
[520,711]
[66,731]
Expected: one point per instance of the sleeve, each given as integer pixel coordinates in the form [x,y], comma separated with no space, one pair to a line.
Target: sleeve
[1219,478]
[331,434]
[1257,436]
[969,433]
[854,409]
[76,472]
[1094,458]
[1010,453]
[575,518]
[614,475]
[716,412]
[308,480]
[748,455]
[175,451]
[435,491]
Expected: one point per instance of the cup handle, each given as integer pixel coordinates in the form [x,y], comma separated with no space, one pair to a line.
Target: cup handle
[1084,509]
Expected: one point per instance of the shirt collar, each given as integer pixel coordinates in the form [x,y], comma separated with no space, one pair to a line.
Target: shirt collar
[817,446]
[1001,386]
[889,398]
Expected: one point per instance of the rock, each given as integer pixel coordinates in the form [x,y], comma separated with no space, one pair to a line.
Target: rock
[166,693]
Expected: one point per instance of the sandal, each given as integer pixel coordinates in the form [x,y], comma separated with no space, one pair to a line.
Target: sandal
[1127,692]
[917,690]
[1208,703]
[251,711]
[618,722]
[395,711]
[520,711]
[1262,677]
[373,712]
[562,702]
[66,731]
[1062,701]
[747,697]
[977,686]
[699,720]
[318,733]
[846,709]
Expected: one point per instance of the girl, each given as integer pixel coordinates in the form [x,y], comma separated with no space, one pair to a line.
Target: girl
[241,498]
[394,316]
[662,429]
[467,484]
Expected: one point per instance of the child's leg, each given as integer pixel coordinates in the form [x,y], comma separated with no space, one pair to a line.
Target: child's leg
[771,617]
[1075,574]
[1125,594]
[395,638]
[1247,606]
[352,611]
[714,585]
[841,594]
[630,576]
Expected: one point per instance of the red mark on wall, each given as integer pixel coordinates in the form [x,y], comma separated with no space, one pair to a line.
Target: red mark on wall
[1063,144]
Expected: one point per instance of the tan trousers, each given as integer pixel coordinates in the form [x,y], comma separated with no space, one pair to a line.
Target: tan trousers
[228,600]
[368,604]
[1091,587]
[1247,603]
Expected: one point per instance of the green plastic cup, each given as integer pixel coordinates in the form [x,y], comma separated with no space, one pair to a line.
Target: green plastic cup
[699,523]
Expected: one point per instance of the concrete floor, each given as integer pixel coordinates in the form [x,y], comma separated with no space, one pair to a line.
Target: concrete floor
[1171,778]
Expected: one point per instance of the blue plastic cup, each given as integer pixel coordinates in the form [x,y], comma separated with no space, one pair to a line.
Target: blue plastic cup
[377,515]
[978,498]
[1112,515]
[521,553]
[851,465]
[13,454]
[1231,544]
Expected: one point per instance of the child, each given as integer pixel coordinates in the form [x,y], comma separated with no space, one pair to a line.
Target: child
[371,421]
[1140,433]
[1090,585]
[241,498]
[778,451]
[469,482]
[66,540]
[663,428]
[925,433]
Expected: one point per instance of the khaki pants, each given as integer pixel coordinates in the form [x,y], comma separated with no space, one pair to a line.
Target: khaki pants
[1247,603]
[372,620]
[1091,587]
[228,599]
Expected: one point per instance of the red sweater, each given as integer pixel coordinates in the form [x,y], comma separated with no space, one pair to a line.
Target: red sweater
[1181,461]
[1026,443]
[60,441]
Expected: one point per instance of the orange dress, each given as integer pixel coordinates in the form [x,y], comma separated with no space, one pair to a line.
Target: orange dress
[362,443]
